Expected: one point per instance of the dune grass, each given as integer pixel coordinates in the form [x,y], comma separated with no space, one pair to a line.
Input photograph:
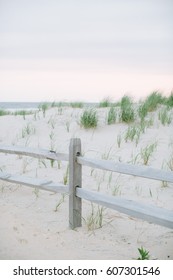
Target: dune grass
[127,110]
[169,100]
[28,130]
[143,254]
[4,112]
[170,163]
[89,118]
[165,116]
[16,113]
[147,152]
[150,104]
[142,111]
[112,116]
[153,100]
[95,219]
[23,113]
[77,104]
[133,133]
[44,107]
[106,102]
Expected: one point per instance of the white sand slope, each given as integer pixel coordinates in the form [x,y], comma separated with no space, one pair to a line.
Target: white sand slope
[34,224]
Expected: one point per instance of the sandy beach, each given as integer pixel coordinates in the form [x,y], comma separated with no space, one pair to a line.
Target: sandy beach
[34,223]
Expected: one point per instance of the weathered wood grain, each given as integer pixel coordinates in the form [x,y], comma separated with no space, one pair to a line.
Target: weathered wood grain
[47,185]
[132,208]
[129,169]
[36,153]
[75,180]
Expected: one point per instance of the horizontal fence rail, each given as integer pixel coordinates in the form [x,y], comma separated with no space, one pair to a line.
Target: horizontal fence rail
[145,212]
[76,193]
[34,183]
[135,170]
[36,153]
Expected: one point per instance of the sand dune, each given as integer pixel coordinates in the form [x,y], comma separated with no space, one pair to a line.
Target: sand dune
[34,224]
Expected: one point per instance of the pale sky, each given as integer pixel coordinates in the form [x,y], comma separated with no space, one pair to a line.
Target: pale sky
[52,50]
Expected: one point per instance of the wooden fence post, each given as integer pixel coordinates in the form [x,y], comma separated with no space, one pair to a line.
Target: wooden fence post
[75,180]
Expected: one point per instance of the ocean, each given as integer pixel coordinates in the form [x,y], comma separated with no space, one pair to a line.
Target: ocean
[19,105]
[12,106]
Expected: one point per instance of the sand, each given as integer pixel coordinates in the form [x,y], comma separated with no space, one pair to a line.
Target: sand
[34,224]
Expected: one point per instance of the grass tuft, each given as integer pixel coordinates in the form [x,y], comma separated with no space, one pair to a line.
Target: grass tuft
[28,130]
[153,100]
[106,102]
[89,119]
[112,116]
[144,254]
[169,101]
[127,111]
[44,107]
[165,116]
[133,133]
[147,152]
[95,219]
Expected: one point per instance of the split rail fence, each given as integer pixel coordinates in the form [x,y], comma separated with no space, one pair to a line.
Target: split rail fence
[76,193]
